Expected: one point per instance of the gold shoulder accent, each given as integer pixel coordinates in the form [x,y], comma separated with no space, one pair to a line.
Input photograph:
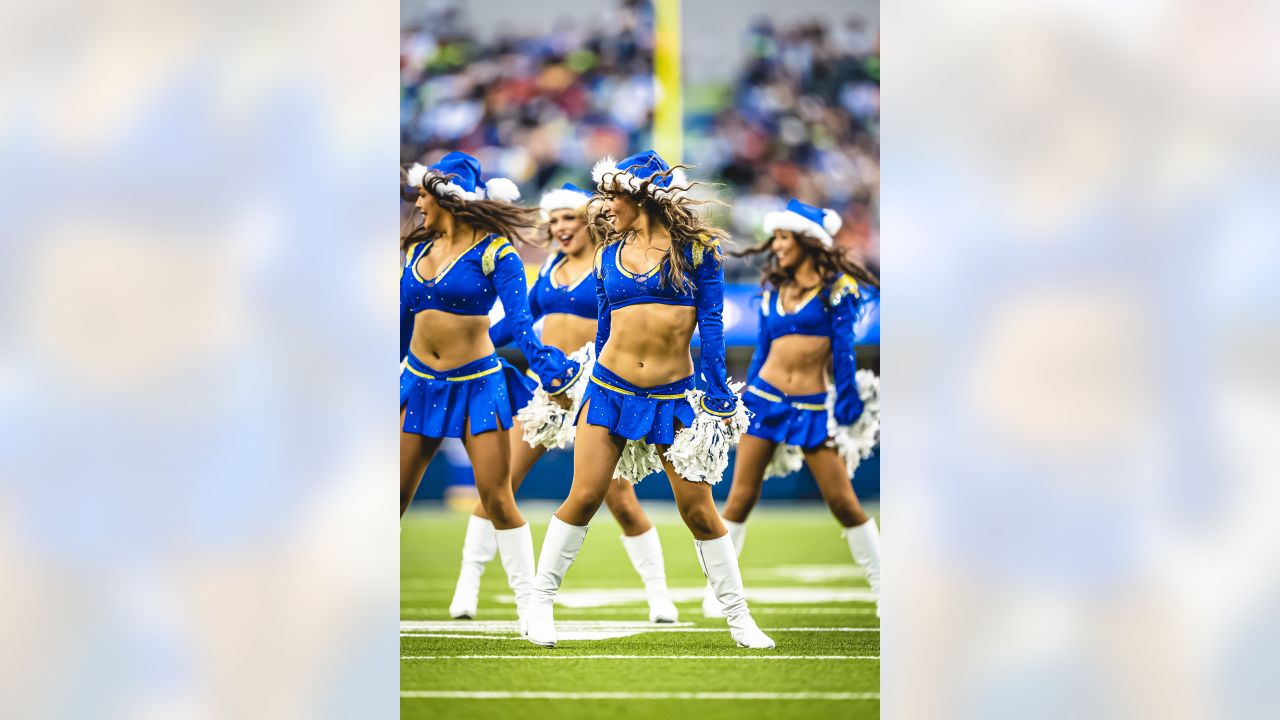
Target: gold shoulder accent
[599,259]
[410,252]
[499,247]
[764,303]
[702,246]
[844,285]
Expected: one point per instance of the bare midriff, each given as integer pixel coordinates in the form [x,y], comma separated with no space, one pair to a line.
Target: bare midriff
[797,364]
[648,343]
[567,332]
[446,340]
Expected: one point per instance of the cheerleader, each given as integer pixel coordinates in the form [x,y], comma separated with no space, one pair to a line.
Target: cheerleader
[566,301]
[452,384]
[657,277]
[807,314]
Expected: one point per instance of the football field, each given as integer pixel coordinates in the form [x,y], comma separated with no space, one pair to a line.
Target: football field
[804,589]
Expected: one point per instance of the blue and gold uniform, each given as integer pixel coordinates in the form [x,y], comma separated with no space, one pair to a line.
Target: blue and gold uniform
[801,420]
[650,414]
[548,297]
[488,391]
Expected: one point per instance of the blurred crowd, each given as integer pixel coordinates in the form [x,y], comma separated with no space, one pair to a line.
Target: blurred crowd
[800,118]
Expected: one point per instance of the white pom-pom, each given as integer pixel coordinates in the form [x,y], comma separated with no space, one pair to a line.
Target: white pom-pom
[786,460]
[586,357]
[700,453]
[501,189]
[831,222]
[543,421]
[602,167]
[639,460]
[855,442]
[417,173]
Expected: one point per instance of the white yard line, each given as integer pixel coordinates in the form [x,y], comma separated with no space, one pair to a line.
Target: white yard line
[458,635]
[641,611]
[660,629]
[639,657]
[514,695]
[787,595]
[812,611]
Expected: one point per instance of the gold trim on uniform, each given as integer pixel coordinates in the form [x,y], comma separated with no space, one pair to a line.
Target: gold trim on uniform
[472,376]
[717,413]
[419,373]
[782,307]
[567,383]
[700,250]
[492,254]
[445,270]
[766,395]
[808,406]
[844,285]
[599,260]
[617,389]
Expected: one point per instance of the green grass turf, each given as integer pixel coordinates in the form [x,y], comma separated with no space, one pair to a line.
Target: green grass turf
[777,537]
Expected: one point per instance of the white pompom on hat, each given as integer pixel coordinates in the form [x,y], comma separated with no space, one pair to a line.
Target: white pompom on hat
[629,174]
[798,217]
[464,182]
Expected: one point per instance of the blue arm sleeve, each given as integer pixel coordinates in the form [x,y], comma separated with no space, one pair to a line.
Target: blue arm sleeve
[763,340]
[550,364]
[406,330]
[708,298]
[406,317]
[604,321]
[844,309]
[501,333]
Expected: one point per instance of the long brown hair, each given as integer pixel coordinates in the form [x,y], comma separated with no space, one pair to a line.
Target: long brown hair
[829,262]
[677,213]
[489,216]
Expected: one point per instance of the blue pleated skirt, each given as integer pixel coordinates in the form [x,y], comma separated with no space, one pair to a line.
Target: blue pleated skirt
[438,403]
[636,413]
[799,420]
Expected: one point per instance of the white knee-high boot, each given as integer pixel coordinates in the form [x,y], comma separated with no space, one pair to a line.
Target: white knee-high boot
[710,604]
[559,549]
[720,564]
[515,547]
[864,543]
[478,548]
[645,551]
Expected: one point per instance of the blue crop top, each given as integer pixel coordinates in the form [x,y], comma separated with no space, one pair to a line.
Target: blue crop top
[547,297]
[617,287]
[832,316]
[468,285]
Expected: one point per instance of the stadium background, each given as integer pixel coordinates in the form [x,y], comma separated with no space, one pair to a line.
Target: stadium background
[770,100]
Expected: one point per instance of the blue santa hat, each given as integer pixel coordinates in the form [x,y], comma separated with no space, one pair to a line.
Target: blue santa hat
[565,197]
[815,222]
[466,183]
[628,174]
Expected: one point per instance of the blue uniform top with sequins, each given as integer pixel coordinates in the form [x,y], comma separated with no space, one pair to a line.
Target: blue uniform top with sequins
[831,316]
[549,297]
[468,285]
[617,287]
